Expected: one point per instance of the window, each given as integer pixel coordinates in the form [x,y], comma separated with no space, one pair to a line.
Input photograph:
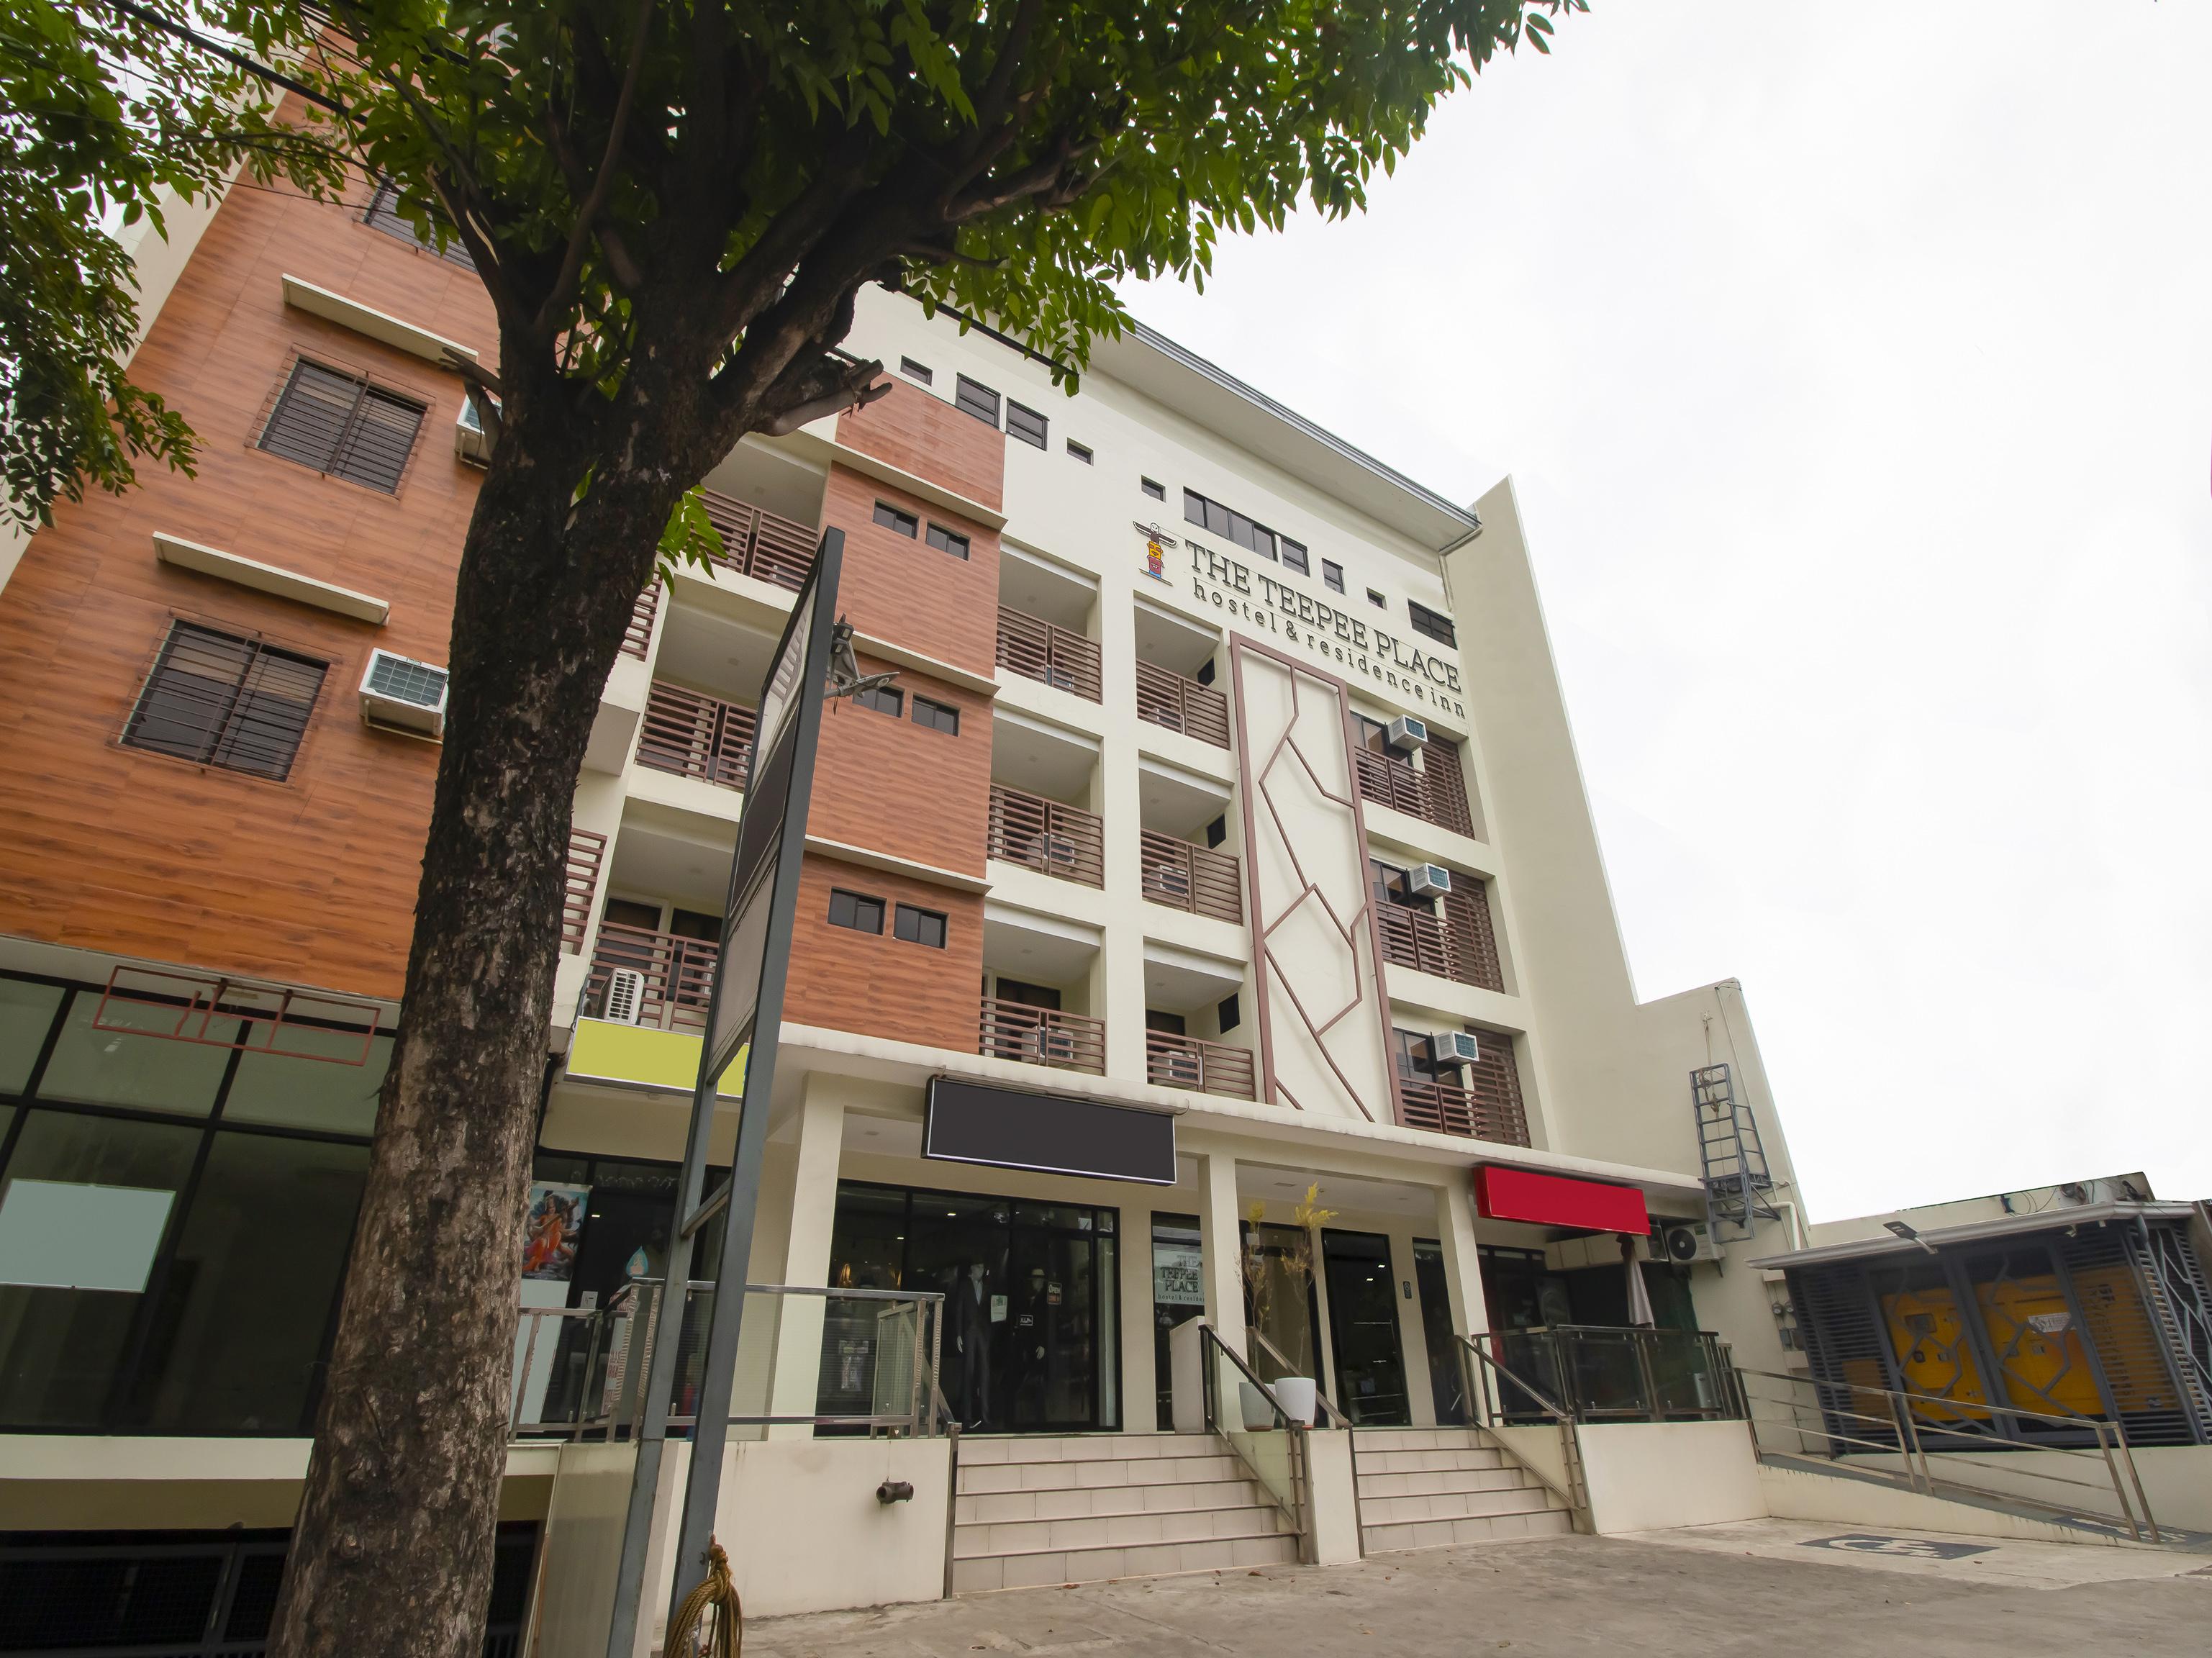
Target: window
[1294,556]
[978,400]
[1377,600]
[946,542]
[226,700]
[891,519]
[1227,1014]
[1231,526]
[1430,625]
[938,716]
[1026,424]
[1332,575]
[915,371]
[384,214]
[884,699]
[1081,451]
[920,927]
[1157,491]
[341,426]
[855,910]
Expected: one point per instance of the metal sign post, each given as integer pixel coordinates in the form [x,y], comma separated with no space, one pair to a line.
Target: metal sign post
[744,1007]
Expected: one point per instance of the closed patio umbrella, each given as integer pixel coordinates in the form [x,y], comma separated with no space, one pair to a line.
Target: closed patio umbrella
[1639,1298]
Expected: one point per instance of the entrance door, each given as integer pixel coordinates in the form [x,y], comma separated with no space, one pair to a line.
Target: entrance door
[1363,1327]
[1178,1293]
[1447,1376]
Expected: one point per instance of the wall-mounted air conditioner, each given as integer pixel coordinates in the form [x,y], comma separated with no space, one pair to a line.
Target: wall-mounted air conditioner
[1453,1047]
[625,995]
[1406,733]
[472,443]
[1686,1240]
[1428,880]
[400,692]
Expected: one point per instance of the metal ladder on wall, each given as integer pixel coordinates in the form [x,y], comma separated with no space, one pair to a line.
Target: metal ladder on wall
[1739,1187]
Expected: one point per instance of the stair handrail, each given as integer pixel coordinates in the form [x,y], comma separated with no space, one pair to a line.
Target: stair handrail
[1576,1493]
[2111,1437]
[1208,1336]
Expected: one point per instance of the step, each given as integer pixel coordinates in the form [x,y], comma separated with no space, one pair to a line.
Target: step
[1429,1481]
[1010,1571]
[981,1449]
[975,1478]
[1115,1531]
[1451,1505]
[1439,1460]
[1075,1502]
[1418,1439]
[1474,1528]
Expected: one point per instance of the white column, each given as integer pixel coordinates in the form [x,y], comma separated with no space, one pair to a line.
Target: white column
[1463,1264]
[1139,1413]
[1222,1245]
[1412,1331]
[797,1324]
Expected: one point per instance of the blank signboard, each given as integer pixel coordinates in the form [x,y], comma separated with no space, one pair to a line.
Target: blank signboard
[57,1235]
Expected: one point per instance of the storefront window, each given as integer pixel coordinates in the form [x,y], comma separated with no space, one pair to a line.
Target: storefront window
[27,1013]
[1178,1295]
[105,1066]
[326,1095]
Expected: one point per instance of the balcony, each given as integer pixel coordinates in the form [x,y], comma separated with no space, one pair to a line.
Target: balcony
[1436,795]
[1041,650]
[675,976]
[1458,944]
[1172,1062]
[694,735]
[1042,1035]
[1063,841]
[638,636]
[754,542]
[1167,698]
[1182,875]
[1486,1112]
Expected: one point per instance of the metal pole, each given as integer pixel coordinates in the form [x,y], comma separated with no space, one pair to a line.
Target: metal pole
[2128,1456]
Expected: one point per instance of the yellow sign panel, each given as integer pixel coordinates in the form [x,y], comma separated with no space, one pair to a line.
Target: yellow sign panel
[642,1056]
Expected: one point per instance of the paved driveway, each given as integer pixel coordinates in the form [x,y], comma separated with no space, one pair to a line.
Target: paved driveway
[1774,1588]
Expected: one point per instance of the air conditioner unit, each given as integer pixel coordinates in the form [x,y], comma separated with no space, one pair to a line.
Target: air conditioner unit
[1406,733]
[1685,1240]
[1453,1047]
[400,692]
[472,443]
[625,994]
[1428,880]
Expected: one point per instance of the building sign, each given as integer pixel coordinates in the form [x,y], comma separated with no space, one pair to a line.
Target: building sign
[1351,647]
[1177,1276]
[1051,1133]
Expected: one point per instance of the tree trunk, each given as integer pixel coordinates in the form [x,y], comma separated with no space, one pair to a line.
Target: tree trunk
[391,1552]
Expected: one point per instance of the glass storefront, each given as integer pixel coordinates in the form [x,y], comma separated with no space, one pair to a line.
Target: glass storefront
[1031,1340]
[1362,1328]
[175,1219]
[1178,1295]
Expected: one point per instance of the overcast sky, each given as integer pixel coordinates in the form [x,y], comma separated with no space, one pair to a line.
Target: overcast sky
[1854,366]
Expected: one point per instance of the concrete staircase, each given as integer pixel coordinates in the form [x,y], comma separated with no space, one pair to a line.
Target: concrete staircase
[1422,1488]
[1084,1508]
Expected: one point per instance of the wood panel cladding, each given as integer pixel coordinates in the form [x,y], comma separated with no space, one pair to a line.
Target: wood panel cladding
[900,588]
[880,985]
[312,880]
[928,437]
[892,785]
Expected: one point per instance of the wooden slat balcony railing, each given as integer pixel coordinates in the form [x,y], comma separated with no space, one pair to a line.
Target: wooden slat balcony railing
[587,850]
[1488,1107]
[1457,945]
[1035,649]
[1056,839]
[678,974]
[1436,795]
[757,543]
[694,735]
[1184,705]
[1172,1062]
[1042,1035]
[1415,938]
[1185,876]
[637,638]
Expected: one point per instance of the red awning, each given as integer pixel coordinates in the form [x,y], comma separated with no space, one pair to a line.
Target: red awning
[1502,1193]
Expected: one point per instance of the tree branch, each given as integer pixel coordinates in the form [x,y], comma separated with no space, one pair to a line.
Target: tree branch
[562,293]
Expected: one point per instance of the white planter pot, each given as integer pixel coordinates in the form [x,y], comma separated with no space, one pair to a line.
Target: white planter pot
[1297,1394]
[1259,1409]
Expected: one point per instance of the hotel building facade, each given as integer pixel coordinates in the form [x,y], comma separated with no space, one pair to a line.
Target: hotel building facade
[1217,844]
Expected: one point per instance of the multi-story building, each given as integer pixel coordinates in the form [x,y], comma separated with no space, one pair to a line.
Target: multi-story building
[1218,838]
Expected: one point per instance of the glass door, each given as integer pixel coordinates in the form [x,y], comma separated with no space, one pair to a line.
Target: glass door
[1447,1376]
[1362,1327]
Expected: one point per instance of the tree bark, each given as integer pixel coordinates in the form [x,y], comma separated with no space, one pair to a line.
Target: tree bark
[391,1552]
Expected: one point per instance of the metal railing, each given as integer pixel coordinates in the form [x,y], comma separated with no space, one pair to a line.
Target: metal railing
[1166,698]
[694,735]
[677,974]
[1436,795]
[1172,1061]
[752,541]
[1888,1434]
[1196,878]
[587,850]
[1604,1373]
[1444,1107]
[1452,941]
[638,636]
[1042,1035]
[1036,649]
[1242,1411]
[1046,835]
[1498,1398]
[580,1371]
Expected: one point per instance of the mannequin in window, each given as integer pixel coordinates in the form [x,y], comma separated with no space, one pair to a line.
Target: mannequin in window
[1031,1323]
[970,1315]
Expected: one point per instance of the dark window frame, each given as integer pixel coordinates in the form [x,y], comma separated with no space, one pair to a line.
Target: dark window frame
[1236,528]
[1154,490]
[897,520]
[904,914]
[940,713]
[1374,598]
[315,435]
[919,373]
[1432,625]
[857,906]
[1025,425]
[1081,451]
[1294,556]
[874,697]
[252,721]
[944,540]
[969,397]
[1332,575]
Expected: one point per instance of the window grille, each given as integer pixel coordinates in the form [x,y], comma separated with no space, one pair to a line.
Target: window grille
[341,426]
[384,214]
[221,699]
